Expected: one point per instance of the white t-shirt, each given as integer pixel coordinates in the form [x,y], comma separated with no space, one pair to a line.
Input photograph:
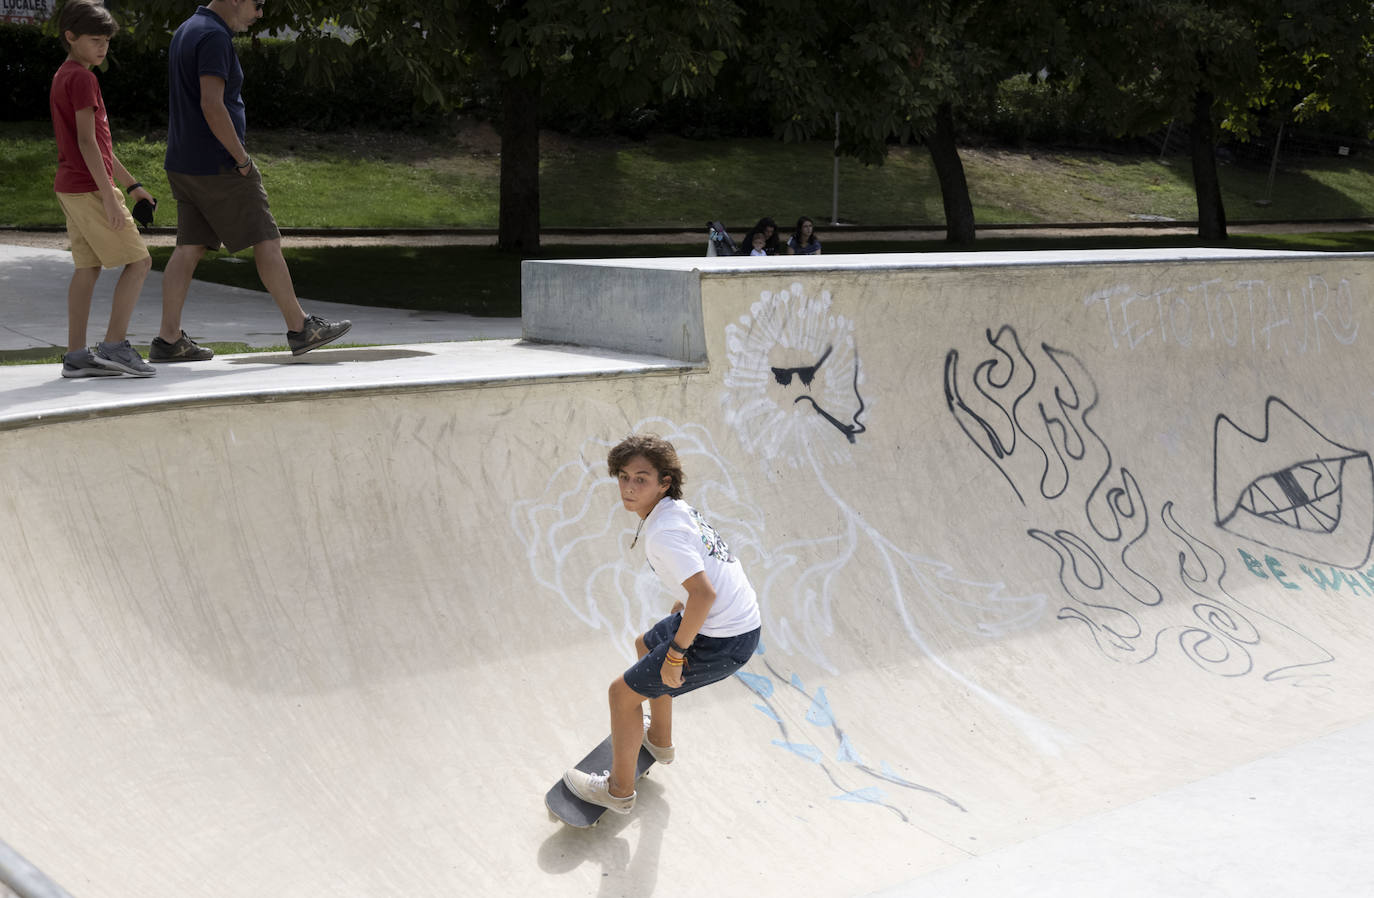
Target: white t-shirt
[678,543]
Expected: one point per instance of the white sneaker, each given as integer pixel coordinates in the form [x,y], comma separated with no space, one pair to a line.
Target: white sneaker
[662,755]
[596,790]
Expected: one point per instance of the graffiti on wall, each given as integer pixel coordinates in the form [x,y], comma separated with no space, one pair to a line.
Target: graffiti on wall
[794,379]
[1290,489]
[794,401]
[839,758]
[1028,413]
[808,575]
[1305,317]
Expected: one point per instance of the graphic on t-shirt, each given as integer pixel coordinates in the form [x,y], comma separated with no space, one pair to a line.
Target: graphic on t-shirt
[715,544]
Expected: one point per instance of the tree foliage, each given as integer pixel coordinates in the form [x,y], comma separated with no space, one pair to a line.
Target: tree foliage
[893,70]
[1219,64]
[597,55]
[890,69]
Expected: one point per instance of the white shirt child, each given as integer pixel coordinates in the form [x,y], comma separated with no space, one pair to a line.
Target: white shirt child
[678,543]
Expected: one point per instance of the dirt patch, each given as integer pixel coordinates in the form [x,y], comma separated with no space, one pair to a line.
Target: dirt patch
[476,137]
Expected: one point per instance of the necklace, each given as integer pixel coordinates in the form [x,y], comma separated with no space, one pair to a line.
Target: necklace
[640,528]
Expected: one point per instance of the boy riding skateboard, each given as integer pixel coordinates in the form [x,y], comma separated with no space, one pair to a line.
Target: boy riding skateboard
[712,631]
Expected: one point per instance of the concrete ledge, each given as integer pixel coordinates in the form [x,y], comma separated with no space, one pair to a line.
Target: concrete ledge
[654,309]
[654,305]
[37,394]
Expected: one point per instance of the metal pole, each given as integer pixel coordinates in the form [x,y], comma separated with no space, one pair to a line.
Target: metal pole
[835,177]
[1168,132]
[24,878]
[1273,167]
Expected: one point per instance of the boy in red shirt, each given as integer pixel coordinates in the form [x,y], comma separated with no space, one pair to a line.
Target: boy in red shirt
[101,230]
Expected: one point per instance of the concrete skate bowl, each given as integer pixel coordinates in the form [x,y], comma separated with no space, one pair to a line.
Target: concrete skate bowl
[1035,536]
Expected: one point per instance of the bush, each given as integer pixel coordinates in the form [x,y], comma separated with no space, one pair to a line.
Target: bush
[1026,110]
[28,59]
[723,113]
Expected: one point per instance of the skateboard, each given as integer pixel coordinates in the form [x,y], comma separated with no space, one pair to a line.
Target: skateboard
[566,806]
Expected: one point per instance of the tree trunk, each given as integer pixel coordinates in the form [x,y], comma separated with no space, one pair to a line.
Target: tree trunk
[1211,213]
[518,229]
[953,185]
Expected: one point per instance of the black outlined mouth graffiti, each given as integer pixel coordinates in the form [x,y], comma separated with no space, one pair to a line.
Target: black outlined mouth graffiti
[1292,489]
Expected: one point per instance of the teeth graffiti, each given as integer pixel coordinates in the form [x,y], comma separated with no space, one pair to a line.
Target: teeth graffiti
[1307,497]
[1290,488]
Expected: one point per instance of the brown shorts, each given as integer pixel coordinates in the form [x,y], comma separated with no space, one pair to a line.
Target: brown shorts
[94,243]
[227,208]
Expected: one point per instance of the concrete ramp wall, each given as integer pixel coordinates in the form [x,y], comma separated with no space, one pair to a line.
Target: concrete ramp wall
[1035,535]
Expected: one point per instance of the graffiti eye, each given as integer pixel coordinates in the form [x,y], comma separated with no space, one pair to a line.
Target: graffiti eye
[1306,496]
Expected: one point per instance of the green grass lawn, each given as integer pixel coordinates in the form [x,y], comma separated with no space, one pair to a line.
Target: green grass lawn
[408,181]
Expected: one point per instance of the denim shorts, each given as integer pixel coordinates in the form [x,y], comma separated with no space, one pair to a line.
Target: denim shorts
[709,659]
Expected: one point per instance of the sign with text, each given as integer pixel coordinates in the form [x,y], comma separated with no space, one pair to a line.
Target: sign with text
[26,11]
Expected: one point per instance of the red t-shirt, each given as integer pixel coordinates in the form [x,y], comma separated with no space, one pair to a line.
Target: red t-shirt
[75,87]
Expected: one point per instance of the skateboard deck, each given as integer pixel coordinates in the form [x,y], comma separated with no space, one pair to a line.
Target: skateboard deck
[566,806]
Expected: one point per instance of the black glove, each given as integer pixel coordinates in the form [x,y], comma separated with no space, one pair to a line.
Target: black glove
[143,212]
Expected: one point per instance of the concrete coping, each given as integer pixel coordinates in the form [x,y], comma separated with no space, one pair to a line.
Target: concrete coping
[654,306]
[37,394]
[747,265]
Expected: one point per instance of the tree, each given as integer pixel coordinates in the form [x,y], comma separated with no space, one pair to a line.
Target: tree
[1214,64]
[596,54]
[893,70]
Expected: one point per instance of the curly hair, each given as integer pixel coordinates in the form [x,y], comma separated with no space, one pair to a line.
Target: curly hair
[659,453]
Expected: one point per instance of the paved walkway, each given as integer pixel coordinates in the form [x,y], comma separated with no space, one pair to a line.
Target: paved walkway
[33,310]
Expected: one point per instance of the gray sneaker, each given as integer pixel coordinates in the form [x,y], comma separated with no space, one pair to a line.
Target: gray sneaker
[124,357]
[315,333]
[183,350]
[84,363]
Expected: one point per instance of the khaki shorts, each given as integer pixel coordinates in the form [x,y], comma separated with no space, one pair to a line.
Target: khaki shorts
[226,209]
[94,243]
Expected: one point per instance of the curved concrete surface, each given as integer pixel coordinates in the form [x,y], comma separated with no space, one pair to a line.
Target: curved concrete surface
[1049,555]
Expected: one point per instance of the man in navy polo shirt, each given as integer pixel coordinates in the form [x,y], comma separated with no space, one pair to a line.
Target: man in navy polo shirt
[218,189]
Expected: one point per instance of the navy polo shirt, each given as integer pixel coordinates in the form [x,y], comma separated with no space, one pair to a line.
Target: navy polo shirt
[203,45]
